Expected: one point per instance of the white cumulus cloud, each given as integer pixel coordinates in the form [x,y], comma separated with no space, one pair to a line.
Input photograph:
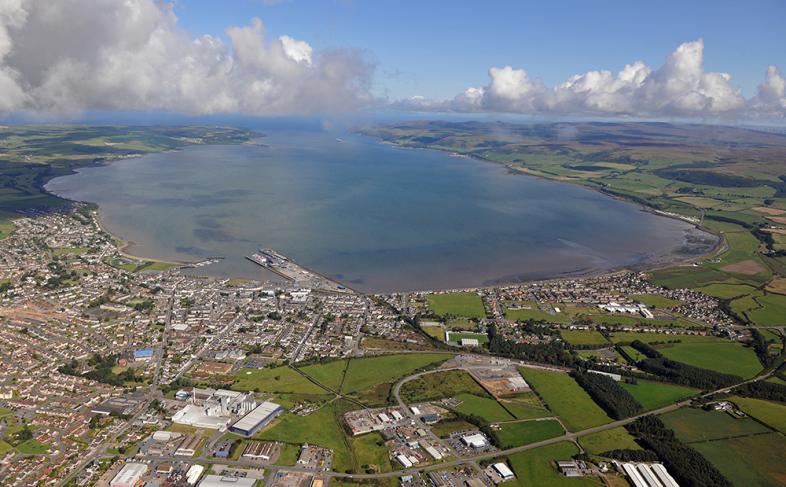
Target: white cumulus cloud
[679,88]
[73,55]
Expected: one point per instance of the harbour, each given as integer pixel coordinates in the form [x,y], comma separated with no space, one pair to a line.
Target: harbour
[293,272]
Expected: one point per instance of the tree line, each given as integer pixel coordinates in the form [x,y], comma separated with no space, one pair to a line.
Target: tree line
[608,394]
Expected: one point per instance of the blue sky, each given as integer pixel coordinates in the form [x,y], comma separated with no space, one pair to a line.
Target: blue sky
[437,49]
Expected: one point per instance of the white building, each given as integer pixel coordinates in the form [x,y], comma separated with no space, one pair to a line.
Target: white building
[193,474]
[403,460]
[504,471]
[129,475]
[474,441]
[435,454]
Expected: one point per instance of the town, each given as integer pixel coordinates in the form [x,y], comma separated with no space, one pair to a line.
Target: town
[122,372]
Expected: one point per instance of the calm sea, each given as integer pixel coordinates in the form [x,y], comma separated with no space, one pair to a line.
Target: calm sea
[376,217]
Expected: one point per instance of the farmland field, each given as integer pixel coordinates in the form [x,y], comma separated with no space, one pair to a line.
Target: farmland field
[770,413]
[748,460]
[458,304]
[565,398]
[692,425]
[652,395]
[524,432]
[613,439]
[727,357]
[629,336]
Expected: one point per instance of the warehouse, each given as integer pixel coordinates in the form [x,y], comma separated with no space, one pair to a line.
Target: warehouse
[260,450]
[194,473]
[129,475]
[474,441]
[257,418]
[504,471]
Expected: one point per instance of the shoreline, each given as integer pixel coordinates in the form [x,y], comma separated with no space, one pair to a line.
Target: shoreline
[661,263]
[719,246]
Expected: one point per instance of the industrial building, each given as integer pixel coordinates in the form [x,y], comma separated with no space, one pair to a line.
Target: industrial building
[189,446]
[193,474]
[257,418]
[504,471]
[260,450]
[474,441]
[212,409]
[129,475]
[219,481]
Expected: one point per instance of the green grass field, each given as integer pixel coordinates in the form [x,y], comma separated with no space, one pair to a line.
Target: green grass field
[727,291]
[525,405]
[458,304]
[445,428]
[565,398]
[694,425]
[330,374]
[364,373]
[280,379]
[727,357]
[59,251]
[770,413]
[32,447]
[536,314]
[6,226]
[534,468]
[613,439]
[5,447]
[439,385]
[435,331]
[461,324]
[581,337]
[455,336]
[524,432]
[630,336]
[750,460]
[370,453]
[652,395]
[485,407]
[319,428]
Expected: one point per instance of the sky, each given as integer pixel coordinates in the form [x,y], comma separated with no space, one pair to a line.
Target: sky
[698,59]
[436,49]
